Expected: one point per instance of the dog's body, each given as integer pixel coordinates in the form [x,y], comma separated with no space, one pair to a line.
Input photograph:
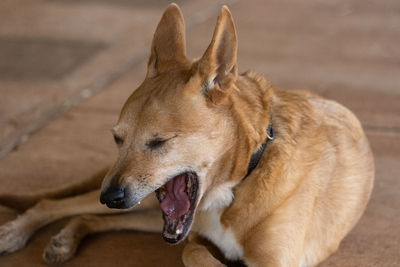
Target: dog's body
[189,132]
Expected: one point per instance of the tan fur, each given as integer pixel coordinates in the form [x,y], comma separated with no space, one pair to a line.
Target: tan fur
[307,192]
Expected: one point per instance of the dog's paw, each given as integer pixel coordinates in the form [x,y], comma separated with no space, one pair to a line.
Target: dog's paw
[13,237]
[60,248]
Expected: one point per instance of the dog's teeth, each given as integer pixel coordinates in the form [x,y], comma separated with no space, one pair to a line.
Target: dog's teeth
[178,231]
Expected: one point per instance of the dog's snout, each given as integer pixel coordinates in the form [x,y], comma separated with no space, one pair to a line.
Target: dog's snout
[113,196]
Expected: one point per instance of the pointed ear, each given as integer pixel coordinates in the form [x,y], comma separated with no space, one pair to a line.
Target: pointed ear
[218,64]
[168,44]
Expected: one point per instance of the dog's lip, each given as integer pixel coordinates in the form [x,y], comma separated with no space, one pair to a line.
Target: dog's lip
[118,204]
[184,222]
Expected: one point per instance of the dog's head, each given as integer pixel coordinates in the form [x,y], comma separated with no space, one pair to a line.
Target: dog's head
[176,126]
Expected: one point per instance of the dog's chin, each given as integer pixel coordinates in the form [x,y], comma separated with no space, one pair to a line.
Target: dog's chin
[178,198]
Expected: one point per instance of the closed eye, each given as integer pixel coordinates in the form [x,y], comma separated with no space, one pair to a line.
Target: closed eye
[156,143]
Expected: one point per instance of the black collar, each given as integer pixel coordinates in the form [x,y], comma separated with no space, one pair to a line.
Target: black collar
[255,158]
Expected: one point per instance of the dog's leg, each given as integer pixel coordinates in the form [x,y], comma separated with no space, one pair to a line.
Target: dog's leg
[22,202]
[196,254]
[15,234]
[63,246]
[280,239]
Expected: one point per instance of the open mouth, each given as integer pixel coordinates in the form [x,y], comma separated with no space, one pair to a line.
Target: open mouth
[177,201]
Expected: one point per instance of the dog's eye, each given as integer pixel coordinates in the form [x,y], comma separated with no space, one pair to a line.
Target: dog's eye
[118,140]
[155,143]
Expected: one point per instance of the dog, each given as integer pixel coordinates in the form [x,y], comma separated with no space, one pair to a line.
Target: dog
[269,177]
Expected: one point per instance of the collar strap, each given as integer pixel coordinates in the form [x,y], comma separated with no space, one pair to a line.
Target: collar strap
[255,158]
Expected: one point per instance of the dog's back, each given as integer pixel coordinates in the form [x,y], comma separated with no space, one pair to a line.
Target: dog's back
[342,179]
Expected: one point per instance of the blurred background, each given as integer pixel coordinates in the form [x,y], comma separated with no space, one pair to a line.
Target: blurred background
[67,66]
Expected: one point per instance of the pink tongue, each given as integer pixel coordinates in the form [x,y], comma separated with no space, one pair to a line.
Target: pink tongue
[176,202]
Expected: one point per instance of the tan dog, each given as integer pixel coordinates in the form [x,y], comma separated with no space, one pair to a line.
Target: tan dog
[272,178]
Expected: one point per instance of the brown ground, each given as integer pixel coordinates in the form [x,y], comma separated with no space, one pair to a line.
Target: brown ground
[67,66]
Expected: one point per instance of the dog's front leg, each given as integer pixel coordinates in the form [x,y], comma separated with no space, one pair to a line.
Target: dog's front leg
[15,234]
[63,245]
[196,254]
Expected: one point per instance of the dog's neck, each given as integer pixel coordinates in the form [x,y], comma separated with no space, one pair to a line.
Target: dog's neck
[251,103]
[256,156]
[250,107]
[255,125]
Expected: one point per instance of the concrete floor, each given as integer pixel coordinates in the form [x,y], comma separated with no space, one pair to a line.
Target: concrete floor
[66,68]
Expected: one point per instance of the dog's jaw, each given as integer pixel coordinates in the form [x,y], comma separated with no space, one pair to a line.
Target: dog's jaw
[178,201]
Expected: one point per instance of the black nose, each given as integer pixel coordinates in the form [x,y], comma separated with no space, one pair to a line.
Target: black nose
[112,196]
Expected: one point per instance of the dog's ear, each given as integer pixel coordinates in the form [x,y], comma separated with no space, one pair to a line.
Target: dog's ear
[168,46]
[218,64]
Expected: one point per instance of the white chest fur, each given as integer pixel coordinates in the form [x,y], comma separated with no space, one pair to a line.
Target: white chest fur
[208,225]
